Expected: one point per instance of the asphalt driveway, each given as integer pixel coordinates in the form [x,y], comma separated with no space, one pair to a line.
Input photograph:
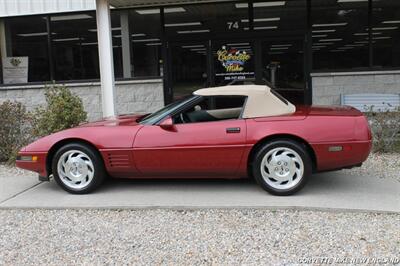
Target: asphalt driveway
[333,190]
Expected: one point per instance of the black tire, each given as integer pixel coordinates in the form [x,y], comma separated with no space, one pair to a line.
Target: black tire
[99,169]
[284,143]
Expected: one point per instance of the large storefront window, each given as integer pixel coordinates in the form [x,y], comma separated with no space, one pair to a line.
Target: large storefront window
[137,42]
[74,46]
[282,48]
[340,34]
[204,46]
[206,19]
[283,63]
[117,44]
[146,42]
[188,67]
[214,43]
[386,33]
[27,37]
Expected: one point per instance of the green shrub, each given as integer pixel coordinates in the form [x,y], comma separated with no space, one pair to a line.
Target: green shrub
[385,127]
[15,130]
[63,110]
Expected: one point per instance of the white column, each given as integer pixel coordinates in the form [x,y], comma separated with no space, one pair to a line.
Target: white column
[126,44]
[3,45]
[105,57]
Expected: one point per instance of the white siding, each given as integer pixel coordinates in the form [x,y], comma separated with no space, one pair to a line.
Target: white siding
[30,7]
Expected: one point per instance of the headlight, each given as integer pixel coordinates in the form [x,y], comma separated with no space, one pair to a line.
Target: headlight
[27,158]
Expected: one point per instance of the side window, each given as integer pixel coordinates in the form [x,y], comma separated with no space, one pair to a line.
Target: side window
[212,108]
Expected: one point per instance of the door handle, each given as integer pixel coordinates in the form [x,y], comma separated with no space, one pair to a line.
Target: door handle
[233,130]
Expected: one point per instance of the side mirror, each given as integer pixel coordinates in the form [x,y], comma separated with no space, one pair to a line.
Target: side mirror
[167,124]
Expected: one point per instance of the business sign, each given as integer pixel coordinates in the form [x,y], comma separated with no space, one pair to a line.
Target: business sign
[234,63]
[15,70]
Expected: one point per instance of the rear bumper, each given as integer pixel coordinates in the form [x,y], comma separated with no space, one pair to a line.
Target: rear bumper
[352,154]
[38,166]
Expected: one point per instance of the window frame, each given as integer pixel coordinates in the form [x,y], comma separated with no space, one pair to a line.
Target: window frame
[191,102]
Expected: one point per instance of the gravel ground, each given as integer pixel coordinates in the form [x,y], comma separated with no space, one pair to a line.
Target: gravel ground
[7,171]
[379,165]
[207,237]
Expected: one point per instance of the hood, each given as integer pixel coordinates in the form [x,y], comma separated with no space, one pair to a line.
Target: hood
[121,120]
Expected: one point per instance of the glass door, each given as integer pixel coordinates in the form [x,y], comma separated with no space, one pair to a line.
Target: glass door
[283,67]
[282,31]
[189,68]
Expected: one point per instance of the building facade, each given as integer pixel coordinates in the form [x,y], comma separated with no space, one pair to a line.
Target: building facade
[311,51]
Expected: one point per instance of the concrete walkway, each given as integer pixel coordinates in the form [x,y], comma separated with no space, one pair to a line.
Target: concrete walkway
[332,190]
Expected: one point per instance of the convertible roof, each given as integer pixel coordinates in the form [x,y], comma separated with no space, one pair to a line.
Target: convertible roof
[260,100]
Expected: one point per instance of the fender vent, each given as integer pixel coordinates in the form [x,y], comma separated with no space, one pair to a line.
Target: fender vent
[118,160]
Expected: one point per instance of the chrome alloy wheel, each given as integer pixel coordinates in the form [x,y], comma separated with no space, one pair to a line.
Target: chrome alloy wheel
[282,168]
[75,169]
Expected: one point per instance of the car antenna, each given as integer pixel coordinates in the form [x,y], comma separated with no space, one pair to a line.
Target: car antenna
[269,84]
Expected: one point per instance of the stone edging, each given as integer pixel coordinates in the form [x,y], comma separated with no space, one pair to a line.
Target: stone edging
[356,73]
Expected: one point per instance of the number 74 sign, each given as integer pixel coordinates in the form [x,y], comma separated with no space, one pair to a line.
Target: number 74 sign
[233,25]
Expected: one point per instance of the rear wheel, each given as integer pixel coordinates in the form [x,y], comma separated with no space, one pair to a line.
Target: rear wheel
[78,169]
[281,167]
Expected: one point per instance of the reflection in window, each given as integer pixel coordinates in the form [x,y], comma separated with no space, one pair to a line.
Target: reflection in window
[340,34]
[27,36]
[145,28]
[189,68]
[74,42]
[280,18]
[283,26]
[386,33]
[117,43]
[196,20]
[137,42]
[283,64]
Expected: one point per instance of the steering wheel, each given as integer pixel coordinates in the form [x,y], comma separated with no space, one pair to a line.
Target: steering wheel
[184,118]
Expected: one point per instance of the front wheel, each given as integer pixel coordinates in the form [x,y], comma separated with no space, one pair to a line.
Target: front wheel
[282,167]
[78,169]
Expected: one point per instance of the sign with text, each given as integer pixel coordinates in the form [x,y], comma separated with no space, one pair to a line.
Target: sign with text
[234,63]
[15,69]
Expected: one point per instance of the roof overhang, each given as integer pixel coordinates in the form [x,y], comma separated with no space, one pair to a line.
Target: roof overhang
[150,3]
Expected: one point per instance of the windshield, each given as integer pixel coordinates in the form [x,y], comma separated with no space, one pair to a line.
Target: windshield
[168,109]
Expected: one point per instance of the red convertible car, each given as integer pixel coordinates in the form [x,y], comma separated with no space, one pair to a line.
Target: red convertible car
[224,132]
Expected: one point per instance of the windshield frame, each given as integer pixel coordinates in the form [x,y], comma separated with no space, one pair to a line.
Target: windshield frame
[168,110]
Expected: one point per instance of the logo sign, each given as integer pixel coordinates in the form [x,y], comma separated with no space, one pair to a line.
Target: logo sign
[233,60]
[15,61]
[234,64]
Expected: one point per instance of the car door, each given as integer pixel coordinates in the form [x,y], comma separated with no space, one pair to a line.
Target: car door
[207,148]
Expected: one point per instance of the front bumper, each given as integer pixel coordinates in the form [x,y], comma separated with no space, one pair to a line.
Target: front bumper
[36,164]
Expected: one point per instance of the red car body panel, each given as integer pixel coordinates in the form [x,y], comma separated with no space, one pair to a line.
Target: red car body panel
[190,149]
[132,150]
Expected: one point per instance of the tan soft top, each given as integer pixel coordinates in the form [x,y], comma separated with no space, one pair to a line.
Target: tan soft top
[260,100]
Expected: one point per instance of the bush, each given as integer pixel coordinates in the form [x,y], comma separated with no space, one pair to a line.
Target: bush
[15,130]
[385,127]
[64,110]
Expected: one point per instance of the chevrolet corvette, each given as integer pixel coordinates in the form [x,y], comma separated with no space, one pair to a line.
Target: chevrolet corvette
[227,132]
